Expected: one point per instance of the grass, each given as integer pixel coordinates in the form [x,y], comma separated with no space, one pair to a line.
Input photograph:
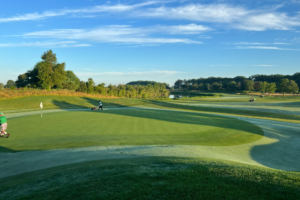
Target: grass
[65,102]
[125,127]
[13,94]
[226,111]
[153,178]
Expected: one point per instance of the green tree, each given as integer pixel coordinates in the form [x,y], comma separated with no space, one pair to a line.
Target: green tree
[206,87]
[50,58]
[271,87]
[1,86]
[216,86]
[71,82]
[248,85]
[82,87]
[90,86]
[231,85]
[59,75]
[22,80]
[44,74]
[293,87]
[51,73]
[195,86]
[263,86]
[283,86]
[10,83]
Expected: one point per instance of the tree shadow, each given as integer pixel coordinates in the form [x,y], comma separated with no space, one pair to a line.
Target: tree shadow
[90,104]
[7,150]
[283,150]
[248,113]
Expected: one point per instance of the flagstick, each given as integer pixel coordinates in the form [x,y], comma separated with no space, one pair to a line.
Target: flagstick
[41,112]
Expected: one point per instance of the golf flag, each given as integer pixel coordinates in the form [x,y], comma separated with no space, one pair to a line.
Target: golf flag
[41,105]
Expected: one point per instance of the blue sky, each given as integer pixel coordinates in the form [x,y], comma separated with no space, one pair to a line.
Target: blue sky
[120,41]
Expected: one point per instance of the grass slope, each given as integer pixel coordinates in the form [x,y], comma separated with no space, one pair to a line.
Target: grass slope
[61,102]
[153,178]
[226,111]
[65,102]
[126,127]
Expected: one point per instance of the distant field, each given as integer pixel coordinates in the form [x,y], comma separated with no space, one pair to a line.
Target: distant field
[125,127]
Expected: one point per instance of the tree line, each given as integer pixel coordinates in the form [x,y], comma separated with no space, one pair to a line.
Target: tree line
[261,83]
[49,74]
[147,83]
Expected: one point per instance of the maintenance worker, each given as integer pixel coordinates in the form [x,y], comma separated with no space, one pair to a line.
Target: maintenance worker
[100,105]
[3,123]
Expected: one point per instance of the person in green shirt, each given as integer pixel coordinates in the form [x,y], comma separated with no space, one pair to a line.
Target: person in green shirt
[3,123]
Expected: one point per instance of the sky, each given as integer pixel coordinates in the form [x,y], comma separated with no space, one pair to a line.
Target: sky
[115,42]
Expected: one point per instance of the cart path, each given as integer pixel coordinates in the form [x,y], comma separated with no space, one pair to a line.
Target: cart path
[279,149]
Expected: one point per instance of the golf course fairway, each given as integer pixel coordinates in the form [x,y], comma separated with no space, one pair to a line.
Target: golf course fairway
[126,127]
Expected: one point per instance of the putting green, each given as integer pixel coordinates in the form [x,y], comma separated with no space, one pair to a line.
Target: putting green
[125,127]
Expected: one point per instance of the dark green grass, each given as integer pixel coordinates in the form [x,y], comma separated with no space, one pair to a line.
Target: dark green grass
[228,111]
[53,102]
[125,127]
[153,178]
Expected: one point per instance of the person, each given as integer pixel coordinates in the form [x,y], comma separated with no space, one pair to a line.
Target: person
[100,105]
[3,122]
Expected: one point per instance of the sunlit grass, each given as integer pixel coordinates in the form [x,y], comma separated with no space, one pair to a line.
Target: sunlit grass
[153,178]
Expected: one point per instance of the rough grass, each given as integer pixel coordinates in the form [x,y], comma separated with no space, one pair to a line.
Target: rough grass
[126,127]
[153,178]
[225,111]
[64,102]
[13,94]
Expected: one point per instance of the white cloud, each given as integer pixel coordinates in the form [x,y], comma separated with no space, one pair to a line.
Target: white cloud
[96,9]
[233,16]
[45,44]
[281,43]
[196,12]
[264,65]
[123,34]
[249,43]
[258,43]
[182,29]
[132,74]
[263,47]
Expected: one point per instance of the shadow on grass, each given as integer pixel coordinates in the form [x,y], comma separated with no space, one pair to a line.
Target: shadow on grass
[90,103]
[6,150]
[246,113]
[283,153]
[152,178]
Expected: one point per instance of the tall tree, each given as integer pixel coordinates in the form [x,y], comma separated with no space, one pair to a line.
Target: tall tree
[248,85]
[283,86]
[10,83]
[90,86]
[44,74]
[1,86]
[50,58]
[293,87]
[82,87]
[231,85]
[263,86]
[22,80]
[50,72]
[271,87]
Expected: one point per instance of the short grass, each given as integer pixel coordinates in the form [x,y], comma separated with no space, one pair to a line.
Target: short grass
[64,102]
[225,111]
[125,127]
[153,178]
